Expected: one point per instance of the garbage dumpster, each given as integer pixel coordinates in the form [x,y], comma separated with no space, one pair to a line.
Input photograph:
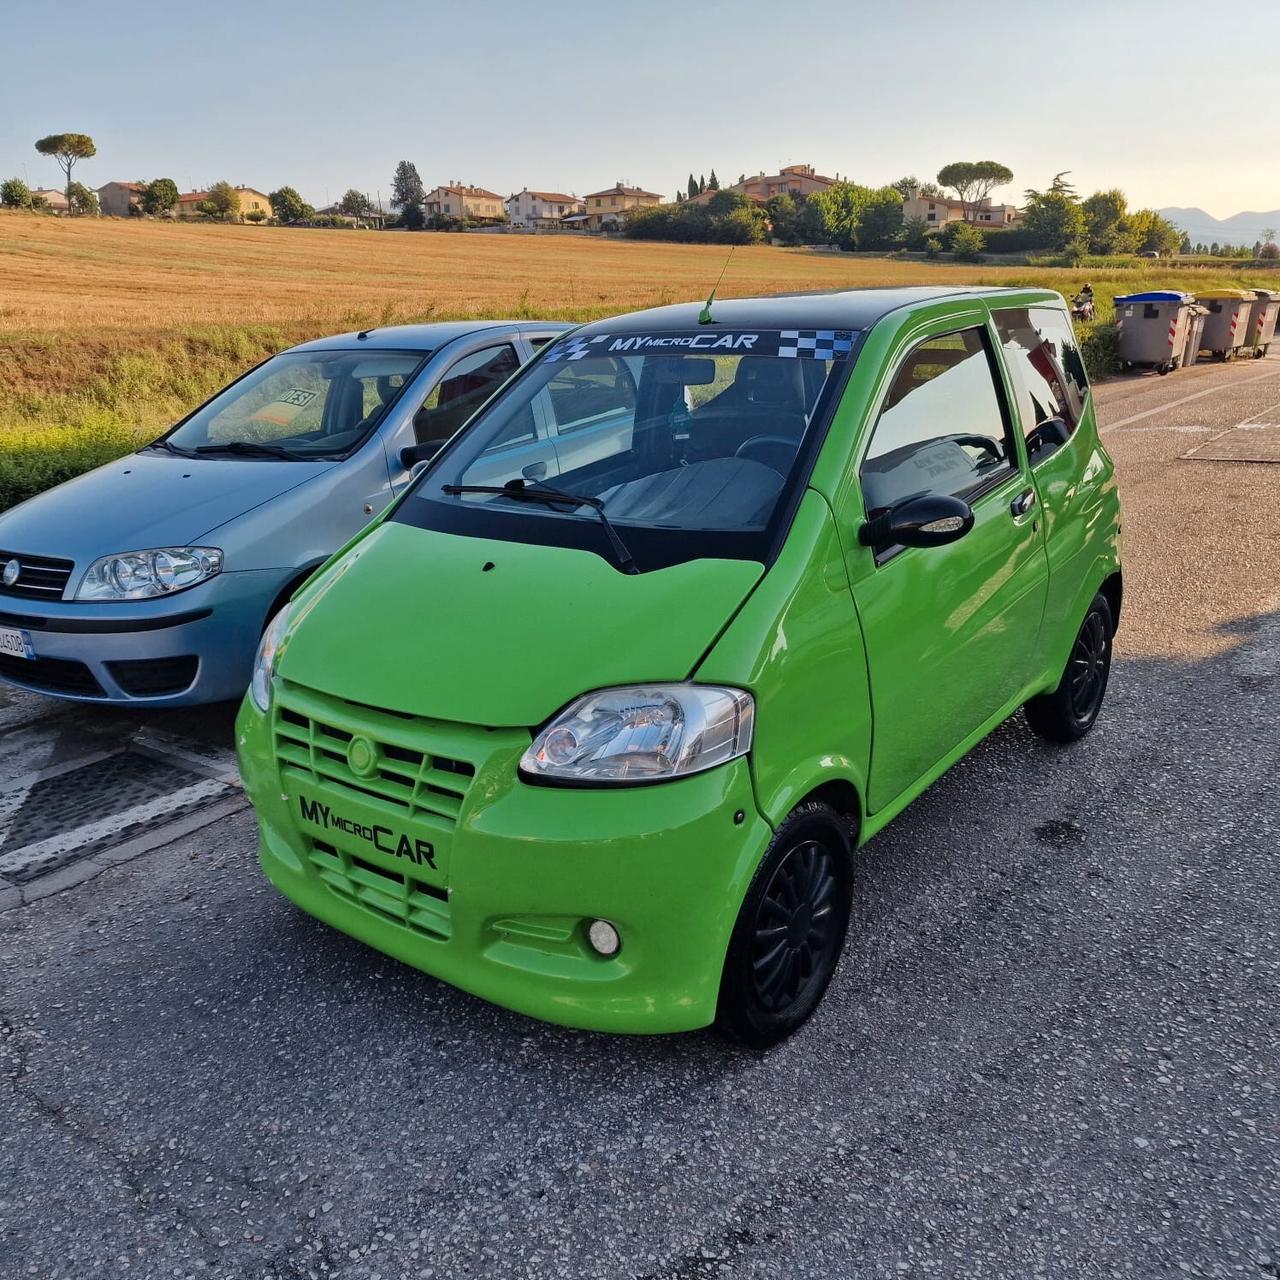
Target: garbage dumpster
[1262,320]
[1153,328]
[1195,334]
[1226,327]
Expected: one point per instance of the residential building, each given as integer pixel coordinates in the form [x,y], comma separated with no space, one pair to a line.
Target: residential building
[457,200]
[939,210]
[120,199]
[605,208]
[541,208]
[56,200]
[792,180]
[189,202]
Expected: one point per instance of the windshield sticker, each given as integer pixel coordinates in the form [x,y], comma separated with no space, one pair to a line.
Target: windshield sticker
[298,397]
[812,344]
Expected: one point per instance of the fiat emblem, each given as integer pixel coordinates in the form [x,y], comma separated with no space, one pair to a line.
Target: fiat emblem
[11,571]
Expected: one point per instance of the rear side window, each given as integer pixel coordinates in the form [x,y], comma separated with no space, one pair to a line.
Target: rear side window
[942,428]
[1048,374]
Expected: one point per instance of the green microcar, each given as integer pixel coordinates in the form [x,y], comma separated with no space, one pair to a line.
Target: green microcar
[592,721]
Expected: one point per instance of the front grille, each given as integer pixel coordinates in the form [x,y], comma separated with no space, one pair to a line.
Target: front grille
[393,895]
[39,577]
[56,675]
[314,739]
[154,677]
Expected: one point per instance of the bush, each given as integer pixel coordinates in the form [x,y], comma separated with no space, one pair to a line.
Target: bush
[15,194]
[255,215]
[1010,240]
[932,247]
[1269,250]
[967,244]
[1099,348]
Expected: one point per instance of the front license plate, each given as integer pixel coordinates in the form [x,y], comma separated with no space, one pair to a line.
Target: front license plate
[15,643]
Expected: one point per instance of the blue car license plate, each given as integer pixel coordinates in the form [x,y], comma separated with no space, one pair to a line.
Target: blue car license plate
[15,643]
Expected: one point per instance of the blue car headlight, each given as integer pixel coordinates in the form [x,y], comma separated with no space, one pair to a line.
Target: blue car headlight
[142,575]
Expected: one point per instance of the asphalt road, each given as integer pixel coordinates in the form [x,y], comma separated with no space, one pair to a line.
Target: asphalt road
[1051,1048]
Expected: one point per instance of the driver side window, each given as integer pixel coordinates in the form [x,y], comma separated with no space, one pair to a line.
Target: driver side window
[942,428]
[462,390]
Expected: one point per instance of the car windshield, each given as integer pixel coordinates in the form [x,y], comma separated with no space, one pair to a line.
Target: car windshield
[685,442]
[299,405]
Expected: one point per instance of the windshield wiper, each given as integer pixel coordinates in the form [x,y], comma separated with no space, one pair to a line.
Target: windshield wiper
[169,448]
[518,490]
[252,448]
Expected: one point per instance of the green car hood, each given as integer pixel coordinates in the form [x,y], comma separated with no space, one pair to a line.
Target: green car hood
[411,620]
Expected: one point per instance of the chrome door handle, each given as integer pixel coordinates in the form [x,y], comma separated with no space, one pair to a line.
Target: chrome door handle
[1023,502]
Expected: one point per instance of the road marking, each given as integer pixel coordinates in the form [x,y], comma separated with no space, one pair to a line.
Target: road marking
[17,861]
[1195,395]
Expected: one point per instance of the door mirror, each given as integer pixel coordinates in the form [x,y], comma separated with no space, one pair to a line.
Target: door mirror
[412,456]
[927,520]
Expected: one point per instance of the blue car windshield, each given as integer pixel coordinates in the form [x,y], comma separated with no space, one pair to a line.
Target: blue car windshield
[300,404]
[687,439]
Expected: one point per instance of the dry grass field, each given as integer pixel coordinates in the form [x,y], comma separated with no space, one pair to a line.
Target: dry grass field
[110,329]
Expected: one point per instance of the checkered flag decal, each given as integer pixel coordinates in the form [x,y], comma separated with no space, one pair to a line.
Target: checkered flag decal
[815,344]
[574,348]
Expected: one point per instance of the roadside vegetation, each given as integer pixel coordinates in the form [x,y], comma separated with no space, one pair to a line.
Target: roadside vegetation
[111,330]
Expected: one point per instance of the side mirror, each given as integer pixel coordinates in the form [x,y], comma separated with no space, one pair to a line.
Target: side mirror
[927,520]
[414,454]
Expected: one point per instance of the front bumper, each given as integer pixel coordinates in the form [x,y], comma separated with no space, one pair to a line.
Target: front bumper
[513,872]
[192,647]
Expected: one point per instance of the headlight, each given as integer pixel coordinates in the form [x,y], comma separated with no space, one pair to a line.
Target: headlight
[642,733]
[264,662]
[140,575]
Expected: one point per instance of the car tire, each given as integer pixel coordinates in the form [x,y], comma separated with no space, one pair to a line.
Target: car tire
[790,930]
[1069,712]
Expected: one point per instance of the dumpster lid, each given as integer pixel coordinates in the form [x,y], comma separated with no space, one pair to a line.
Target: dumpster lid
[1156,295]
[1221,295]
[1267,294]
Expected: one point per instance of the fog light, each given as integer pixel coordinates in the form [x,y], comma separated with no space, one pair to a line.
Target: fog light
[604,937]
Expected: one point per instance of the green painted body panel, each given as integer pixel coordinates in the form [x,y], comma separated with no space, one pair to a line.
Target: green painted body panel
[870,680]
[506,646]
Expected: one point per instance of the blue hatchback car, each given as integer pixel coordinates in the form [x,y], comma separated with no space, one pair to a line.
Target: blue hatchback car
[149,580]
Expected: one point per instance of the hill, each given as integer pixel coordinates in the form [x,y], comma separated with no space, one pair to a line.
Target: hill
[1240,228]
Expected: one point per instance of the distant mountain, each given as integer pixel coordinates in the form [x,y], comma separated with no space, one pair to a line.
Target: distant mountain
[1240,228]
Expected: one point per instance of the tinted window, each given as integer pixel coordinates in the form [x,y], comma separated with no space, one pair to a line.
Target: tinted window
[1047,371]
[942,427]
[463,389]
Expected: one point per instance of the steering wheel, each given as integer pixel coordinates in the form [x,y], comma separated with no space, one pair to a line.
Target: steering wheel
[763,443]
[985,443]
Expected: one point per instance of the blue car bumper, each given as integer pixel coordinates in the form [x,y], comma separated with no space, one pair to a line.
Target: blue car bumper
[193,647]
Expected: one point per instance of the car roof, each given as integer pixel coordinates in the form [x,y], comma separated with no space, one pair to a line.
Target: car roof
[840,309]
[422,337]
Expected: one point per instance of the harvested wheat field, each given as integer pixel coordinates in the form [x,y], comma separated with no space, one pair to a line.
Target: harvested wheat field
[87,275]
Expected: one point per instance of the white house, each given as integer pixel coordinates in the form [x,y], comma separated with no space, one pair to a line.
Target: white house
[541,208]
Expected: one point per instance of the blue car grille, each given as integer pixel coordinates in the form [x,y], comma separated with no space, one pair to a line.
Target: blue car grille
[38,577]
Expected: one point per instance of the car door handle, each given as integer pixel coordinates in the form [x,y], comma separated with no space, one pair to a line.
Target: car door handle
[1023,502]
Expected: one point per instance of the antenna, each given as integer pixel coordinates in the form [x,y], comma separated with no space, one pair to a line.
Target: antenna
[704,316]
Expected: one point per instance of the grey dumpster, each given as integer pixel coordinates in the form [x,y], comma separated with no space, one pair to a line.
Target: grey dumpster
[1262,320]
[1195,334]
[1153,328]
[1226,327]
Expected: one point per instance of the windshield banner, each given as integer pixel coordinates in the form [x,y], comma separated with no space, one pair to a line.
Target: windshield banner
[812,344]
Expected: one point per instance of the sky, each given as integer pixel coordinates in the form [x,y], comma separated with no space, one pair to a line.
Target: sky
[326,95]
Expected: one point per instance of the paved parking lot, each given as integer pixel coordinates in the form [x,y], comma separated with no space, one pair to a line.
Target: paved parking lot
[1050,1048]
